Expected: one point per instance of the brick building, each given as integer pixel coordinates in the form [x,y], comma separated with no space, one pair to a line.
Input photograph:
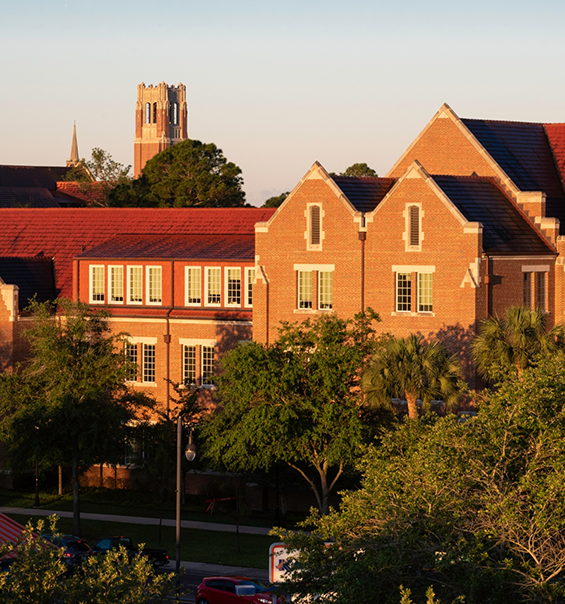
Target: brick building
[466,223]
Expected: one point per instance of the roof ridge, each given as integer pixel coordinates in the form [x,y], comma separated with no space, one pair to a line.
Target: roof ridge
[364,177]
[480,119]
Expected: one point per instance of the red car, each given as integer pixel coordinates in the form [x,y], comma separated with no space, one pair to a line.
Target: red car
[233,590]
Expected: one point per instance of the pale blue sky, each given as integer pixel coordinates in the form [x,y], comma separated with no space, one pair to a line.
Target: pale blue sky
[276,85]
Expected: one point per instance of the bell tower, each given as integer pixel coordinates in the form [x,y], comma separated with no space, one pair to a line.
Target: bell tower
[161,120]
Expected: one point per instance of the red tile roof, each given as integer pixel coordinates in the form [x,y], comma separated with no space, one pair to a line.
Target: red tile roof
[64,233]
[216,247]
[90,195]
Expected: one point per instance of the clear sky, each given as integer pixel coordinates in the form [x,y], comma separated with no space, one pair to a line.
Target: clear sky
[275,85]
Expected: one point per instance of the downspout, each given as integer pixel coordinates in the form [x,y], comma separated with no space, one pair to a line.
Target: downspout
[267,312]
[168,338]
[362,237]
[487,288]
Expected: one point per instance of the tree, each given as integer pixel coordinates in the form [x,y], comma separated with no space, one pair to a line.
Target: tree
[358,170]
[513,342]
[296,400]
[36,576]
[276,201]
[99,176]
[411,368]
[480,505]
[188,174]
[70,402]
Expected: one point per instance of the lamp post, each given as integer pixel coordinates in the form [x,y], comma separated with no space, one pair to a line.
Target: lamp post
[190,454]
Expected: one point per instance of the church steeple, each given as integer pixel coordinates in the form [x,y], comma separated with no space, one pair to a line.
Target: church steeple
[74,159]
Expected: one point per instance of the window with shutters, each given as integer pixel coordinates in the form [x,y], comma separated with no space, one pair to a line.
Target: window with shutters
[413,233]
[315,233]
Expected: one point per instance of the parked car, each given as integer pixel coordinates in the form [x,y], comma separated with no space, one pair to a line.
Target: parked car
[76,549]
[157,557]
[233,590]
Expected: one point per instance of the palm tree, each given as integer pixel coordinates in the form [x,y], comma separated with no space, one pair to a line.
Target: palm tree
[414,369]
[515,340]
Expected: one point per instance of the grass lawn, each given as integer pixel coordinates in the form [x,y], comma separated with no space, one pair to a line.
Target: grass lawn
[211,547]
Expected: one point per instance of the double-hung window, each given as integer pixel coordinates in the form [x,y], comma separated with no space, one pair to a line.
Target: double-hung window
[403,292]
[154,285]
[249,278]
[135,285]
[304,289]
[97,284]
[325,290]
[189,364]
[425,290]
[149,363]
[193,278]
[535,286]
[207,365]
[414,289]
[116,284]
[233,286]
[213,286]
[130,351]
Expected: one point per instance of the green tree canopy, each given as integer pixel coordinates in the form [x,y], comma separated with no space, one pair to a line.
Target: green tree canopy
[514,341]
[296,400]
[413,369]
[37,576]
[70,402]
[358,170]
[188,174]
[482,503]
[98,176]
[276,201]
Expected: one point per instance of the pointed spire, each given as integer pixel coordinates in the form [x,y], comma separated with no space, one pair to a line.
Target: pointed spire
[74,159]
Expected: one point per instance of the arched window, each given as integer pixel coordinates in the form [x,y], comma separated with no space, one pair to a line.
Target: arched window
[154,113]
[147,113]
[175,114]
[414,226]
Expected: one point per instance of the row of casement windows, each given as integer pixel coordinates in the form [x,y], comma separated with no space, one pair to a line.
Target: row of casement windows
[236,291]
[197,363]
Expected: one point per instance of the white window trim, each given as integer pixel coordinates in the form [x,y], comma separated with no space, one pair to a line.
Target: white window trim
[206,273]
[298,307]
[129,300]
[186,271]
[201,377]
[320,292]
[143,364]
[148,285]
[241,289]
[396,309]
[91,283]
[424,312]
[111,268]
[248,270]
[406,234]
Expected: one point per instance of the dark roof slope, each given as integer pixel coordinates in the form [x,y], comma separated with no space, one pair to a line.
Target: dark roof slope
[189,247]
[62,234]
[32,176]
[505,229]
[365,193]
[523,151]
[33,276]
[27,197]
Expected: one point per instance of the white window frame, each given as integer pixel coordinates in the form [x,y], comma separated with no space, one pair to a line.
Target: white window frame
[129,280]
[133,346]
[111,269]
[250,272]
[331,274]
[207,271]
[187,270]
[431,294]
[227,270]
[301,300]
[148,269]
[185,348]
[91,284]
[397,294]
[144,361]
[203,377]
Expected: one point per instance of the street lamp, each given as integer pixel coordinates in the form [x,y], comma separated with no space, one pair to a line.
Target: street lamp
[190,454]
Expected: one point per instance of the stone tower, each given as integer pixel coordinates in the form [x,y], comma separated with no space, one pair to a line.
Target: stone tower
[160,121]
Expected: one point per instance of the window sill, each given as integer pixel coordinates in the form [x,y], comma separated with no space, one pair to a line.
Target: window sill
[312,311]
[412,314]
[143,384]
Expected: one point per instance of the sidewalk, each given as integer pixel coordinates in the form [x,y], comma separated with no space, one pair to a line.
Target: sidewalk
[191,524]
